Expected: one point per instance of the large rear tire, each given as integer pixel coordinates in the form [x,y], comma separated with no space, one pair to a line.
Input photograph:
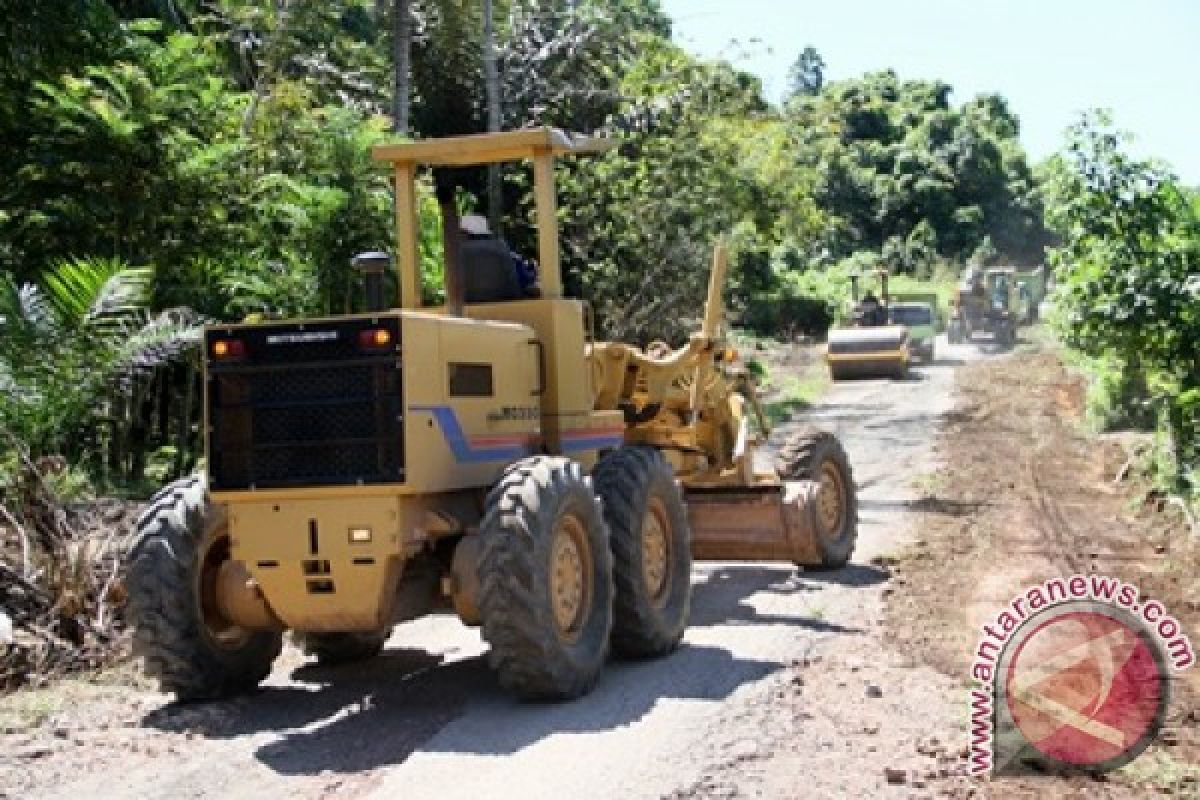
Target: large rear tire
[332,649]
[184,641]
[816,455]
[652,551]
[545,580]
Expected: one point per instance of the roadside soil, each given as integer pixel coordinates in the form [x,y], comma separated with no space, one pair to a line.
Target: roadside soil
[1023,495]
[789,684]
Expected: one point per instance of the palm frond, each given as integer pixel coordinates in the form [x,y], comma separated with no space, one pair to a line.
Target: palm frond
[25,314]
[74,286]
[161,340]
[125,294]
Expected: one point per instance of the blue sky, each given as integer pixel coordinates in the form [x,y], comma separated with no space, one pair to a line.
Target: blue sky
[1050,58]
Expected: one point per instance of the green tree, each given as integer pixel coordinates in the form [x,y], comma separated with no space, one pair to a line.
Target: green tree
[806,76]
[892,154]
[78,354]
[1127,271]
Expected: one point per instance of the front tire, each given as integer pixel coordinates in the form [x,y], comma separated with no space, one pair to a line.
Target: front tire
[180,634]
[818,456]
[652,551]
[545,575]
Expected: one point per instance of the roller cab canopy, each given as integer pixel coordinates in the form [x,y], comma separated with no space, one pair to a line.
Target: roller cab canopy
[539,145]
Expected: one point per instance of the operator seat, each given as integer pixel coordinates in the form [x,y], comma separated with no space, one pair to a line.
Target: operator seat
[489,274]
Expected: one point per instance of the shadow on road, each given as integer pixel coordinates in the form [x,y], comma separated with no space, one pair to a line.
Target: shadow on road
[326,690]
[722,597]
[942,361]
[379,712]
[951,508]
[627,691]
[855,575]
[991,347]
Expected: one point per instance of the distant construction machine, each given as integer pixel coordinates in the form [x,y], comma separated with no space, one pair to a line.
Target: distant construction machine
[986,301]
[872,345]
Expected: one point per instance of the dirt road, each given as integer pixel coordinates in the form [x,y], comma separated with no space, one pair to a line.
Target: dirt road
[781,688]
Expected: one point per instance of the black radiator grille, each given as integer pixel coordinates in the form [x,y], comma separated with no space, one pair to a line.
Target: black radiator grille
[298,412]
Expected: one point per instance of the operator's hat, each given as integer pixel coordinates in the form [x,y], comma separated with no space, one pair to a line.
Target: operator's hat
[474,224]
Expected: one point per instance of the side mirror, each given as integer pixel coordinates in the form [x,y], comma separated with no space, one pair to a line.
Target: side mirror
[371,266]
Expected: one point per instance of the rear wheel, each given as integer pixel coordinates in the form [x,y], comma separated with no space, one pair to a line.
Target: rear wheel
[331,649]
[179,630]
[651,545]
[818,456]
[545,575]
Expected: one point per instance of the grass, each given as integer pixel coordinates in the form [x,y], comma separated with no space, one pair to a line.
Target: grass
[30,708]
[943,286]
[927,483]
[750,342]
[1159,770]
[796,394]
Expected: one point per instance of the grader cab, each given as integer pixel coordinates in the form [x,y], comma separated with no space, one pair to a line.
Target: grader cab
[484,456]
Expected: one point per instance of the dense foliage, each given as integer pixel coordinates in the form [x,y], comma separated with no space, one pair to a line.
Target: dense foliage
[217,155]
[1129,277]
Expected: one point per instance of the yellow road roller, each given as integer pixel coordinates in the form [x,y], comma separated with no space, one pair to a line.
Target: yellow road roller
[871,346]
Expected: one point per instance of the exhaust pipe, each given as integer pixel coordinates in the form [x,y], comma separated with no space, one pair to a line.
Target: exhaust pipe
[371,266]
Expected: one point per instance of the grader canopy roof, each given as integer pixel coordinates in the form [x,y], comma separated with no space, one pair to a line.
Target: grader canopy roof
[492,148]
[539,145]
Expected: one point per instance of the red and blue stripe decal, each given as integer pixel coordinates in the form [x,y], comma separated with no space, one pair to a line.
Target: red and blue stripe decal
[577,439]
[509,447]
[478,449]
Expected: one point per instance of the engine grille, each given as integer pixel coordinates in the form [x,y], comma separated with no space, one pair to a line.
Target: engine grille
[305,406]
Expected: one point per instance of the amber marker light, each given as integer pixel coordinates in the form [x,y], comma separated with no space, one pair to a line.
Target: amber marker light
[375,337]
[228,348]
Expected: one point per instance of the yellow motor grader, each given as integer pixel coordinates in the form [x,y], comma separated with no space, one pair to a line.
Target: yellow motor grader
[484,456]
[872,345]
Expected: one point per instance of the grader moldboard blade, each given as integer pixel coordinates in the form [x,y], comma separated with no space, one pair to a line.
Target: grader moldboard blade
[772,523]
[878,352]
[805,513]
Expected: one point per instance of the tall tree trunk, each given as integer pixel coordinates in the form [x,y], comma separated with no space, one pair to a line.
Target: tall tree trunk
[401,59]
[492,87]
